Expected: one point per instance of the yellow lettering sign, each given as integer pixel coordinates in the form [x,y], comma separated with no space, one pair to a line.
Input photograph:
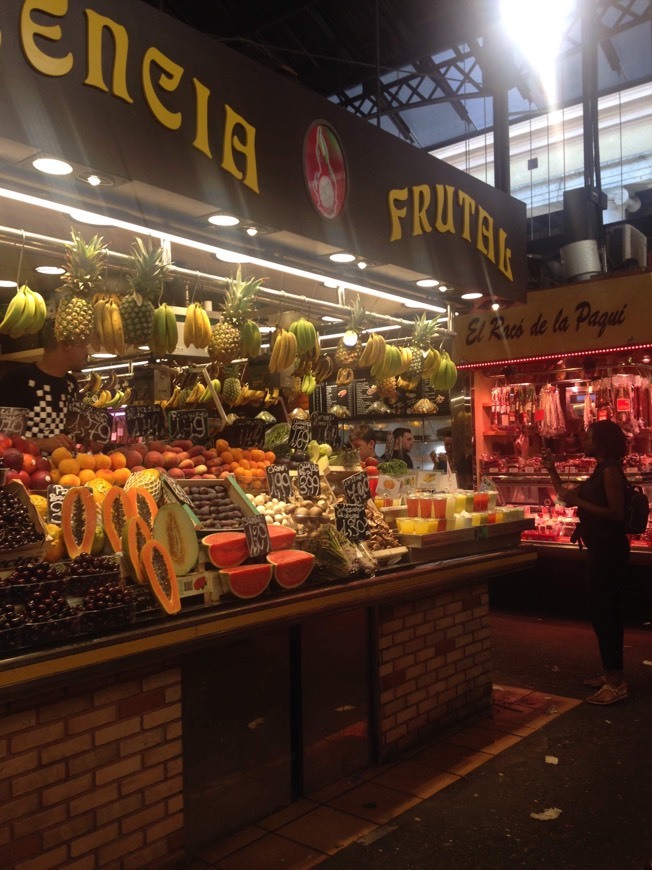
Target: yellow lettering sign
[30,30]
[232,142]
[97,25]
[485,243]
[396,213]
[202,95]
[168,80]
[445,206]
[421,201]
[468,208]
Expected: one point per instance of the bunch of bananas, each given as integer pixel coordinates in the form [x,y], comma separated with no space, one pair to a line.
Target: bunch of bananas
[93,386]
[165,333]
[284,351]
[173,402]
[374,351]
[107,399]
[196,394]
[108,326]
[431,363]
[207,398]
[308,384]
[323,368]
[306,336]
[196,327]
[345,376]
[445,376]
[25,313]
[395,361]
[250,339]
[249,397]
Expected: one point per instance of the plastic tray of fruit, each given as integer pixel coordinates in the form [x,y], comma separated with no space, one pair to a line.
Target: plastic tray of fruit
[95,621]
[51,630]
[25,582]
[11,639]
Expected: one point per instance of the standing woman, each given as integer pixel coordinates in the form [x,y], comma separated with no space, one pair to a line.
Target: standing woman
[600,504]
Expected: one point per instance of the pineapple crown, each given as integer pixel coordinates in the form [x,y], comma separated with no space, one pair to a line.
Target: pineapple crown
[85,264]
[357,318]
[424,332]
[149,269]
[239,300]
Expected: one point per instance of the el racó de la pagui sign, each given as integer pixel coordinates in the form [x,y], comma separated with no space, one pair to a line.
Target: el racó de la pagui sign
[597,315]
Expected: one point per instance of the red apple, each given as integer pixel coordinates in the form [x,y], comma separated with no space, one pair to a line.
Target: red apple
[40,480]
[43,464]
[29,463]
[198,459]
[153,459]
[189,472]
[196,450]
[5,441]
[13,458]
[138,468]
[20,443]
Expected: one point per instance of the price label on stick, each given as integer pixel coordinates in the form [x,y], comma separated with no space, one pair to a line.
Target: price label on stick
[246,432]
[357,488]
[325,428]
[86,423]
[145,421]
[308,480]
[351,520]
[300,434]
[12,420]
[190,425]
[257,535]
[278,480]
[55,496]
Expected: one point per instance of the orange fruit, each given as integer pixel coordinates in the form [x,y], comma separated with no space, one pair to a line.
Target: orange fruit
[86,475]
[118,460]
[236,452]
[246,454]
[69,480]
[270,457]
[106,474]
[221,445]
[244,463]
[121,476]
[85,460]
[257,455]
[69,466]
[233,466]
[226,457]
[55,474]
[59,454]
[102,461]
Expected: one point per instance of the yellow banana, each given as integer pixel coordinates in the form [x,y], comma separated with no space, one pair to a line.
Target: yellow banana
[189,333]
[276,351]
[15,311]
[98,310]
[171,329]
[290,350]
[106,329]
[39,312]
[24,324]
[118,334]
[204,326]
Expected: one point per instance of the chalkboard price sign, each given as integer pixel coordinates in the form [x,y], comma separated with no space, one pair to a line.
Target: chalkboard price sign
[247,432]
[351,520]
[188,425]
[356,488]
[55,495]
[278,480]
[300,434]
[308,480]
[12,420]
[145,421]
[86,423]
[257,535]
[325,428]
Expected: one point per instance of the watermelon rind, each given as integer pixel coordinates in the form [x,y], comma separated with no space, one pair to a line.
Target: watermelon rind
[291,567]
[247,581]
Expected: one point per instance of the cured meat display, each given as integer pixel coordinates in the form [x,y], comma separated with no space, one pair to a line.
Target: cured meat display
[550,418]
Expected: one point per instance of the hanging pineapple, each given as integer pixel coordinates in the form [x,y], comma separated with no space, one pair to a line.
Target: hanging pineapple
[74,320]
[149,269]
[232,385]
[349,347]
[423,334]
[226,336]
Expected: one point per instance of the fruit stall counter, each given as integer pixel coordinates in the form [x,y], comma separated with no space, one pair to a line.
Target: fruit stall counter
[264,700]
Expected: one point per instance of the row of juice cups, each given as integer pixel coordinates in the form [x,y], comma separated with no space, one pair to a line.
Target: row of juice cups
[447,505]
[421,526]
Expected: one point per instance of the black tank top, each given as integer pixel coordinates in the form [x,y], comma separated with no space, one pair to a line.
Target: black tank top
[596,532]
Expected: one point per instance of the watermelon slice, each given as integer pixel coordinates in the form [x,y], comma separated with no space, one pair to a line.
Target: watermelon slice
[247,581]
[291,567]
[281,537]
[226,549]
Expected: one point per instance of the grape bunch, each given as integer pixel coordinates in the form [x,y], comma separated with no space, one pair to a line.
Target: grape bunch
[16,527]
[108,595]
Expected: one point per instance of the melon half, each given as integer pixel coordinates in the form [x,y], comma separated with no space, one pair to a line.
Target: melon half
[291,567]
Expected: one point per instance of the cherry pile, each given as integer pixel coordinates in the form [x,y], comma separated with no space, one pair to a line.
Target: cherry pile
[86,565]
[35,572]
[16,527]
[11,619]
[48,606]
[108,595]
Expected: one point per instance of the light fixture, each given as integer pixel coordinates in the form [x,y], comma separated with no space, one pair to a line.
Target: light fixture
[350,338]
[361,264]
[646,359]
[252,231]
[472,295]
[328,319]
[331,284]
[143,347]
[427,282]
[49,270]
[102,355]
[115,366]
[266,329]
[224,220]
[443,288]
[495,306]
[342,257]
[90,217]
[7,283]
[411,304]
[371,329]
[96,180]
[52,166]
[230,256]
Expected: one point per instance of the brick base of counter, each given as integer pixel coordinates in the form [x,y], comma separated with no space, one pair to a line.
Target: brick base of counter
[434,657]
[94,779]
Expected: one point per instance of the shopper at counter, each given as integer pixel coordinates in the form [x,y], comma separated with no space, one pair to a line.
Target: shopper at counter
[363,439]
[45,389]
[399,445]
[600,504]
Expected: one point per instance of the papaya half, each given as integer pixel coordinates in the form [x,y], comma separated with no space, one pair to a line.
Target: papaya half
[78,521]
[158,570]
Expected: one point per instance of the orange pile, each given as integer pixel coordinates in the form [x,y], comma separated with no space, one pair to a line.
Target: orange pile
[247,466]
[69,470]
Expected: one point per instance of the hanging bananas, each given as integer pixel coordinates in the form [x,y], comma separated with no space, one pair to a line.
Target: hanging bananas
[165,332]
[284,351]
[374,350]
[196,327]
[431,363]
[108,325]
[25,313]
[306,336]
[445,376]
[323,368]
[250,339]
[308,384]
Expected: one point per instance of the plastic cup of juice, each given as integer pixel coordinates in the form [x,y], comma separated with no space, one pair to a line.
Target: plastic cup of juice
[451,502]
[439,503]
[469,502]
[405,526]
[460,502]
[425,507]
[412,506]
[422,527]
[492,496]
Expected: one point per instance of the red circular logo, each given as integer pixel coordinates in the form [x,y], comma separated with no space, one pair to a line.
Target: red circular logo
[324,170]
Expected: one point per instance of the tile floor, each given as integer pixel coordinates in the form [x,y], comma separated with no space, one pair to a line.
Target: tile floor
[360,807]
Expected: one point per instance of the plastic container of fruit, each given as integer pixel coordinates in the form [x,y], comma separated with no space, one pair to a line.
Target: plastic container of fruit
[12,639]
[78,586]
[20,593]
[51,630]
[97,621]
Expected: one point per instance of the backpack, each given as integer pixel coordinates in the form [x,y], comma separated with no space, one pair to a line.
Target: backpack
[637,509]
